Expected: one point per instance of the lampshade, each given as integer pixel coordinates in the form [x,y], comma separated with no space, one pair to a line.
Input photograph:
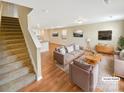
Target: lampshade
[88,39]
[64,32]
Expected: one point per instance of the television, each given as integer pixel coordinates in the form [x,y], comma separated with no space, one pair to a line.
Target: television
[78,33]
[105,35]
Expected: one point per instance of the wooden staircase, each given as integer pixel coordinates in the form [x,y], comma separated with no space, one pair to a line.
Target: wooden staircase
[16,70]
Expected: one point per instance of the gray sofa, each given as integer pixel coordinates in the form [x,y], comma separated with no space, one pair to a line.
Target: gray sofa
[66,54]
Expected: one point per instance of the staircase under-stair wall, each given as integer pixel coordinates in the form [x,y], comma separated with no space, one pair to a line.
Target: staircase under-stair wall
[16,70]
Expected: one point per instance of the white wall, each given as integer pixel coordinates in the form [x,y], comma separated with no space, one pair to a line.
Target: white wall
[0,11]
[44,35]
[89,31]
[10,10]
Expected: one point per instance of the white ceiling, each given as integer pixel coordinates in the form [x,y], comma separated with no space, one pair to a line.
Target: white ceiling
[57,13]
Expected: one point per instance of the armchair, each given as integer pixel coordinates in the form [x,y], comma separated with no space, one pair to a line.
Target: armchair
[118,66]
[86,77]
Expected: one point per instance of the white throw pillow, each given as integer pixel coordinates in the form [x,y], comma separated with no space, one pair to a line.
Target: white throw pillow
[122,54]
[70,49]
[62,51]
[77,47]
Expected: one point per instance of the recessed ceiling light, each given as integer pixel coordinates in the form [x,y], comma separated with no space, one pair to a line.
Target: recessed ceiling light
[107,1]
[44,10]
[111,16]
[80,20]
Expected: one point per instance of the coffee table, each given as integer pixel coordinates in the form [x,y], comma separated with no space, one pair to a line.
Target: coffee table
[94,59]
[90,59]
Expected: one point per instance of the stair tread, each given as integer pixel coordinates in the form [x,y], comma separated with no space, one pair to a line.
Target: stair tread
[17,39]
[13,66]
[17,55]
[7,36]
[12,46]
[9,17]
[11,37]
[13,49]
[6,19]
[7,77]
[10,32]
[13,58]
[15,44]
[9,24]
[13,40]
[10,29]
[4,62]
[20,82]
[6,53]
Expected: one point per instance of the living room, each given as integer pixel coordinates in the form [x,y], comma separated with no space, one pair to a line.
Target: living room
[101,39]
[103,51]
[69,45]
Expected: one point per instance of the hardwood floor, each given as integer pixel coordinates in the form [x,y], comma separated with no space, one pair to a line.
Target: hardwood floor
[54,79]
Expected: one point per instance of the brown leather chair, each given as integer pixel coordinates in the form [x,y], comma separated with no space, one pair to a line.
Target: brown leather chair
[84,76]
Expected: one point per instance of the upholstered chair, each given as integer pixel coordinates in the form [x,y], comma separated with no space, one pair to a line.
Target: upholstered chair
[83,75]
[119,64]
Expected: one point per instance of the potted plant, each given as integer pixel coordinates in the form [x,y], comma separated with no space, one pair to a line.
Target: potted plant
[121,43]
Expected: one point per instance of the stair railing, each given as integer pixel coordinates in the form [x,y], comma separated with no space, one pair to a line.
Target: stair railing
[38,56]
[32,42]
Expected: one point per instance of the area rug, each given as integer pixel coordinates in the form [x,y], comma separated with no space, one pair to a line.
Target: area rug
[106,69]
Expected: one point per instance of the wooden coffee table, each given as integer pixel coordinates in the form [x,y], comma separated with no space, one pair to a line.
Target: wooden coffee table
[93,59]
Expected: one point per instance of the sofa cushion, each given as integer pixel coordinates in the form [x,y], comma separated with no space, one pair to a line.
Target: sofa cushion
[62,50]
[81,52]
[82,64]
[70,48]
[76,47]
[68,58]
[58,48]
[76,53]
[122,55]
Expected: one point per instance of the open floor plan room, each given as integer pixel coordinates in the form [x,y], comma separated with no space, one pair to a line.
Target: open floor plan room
[62,46]
[57,80]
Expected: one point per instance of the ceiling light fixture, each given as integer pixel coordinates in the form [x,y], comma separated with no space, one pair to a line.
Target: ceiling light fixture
[79,21]
[111,16]
[107,1]
[44,10]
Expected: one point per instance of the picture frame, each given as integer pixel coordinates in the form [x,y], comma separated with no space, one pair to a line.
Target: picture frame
[105,35]
[55,34]
[78,33]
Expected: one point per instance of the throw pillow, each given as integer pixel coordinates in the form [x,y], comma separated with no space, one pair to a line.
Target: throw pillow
[77,47]
[62,51]
[122,55]
[70,48]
